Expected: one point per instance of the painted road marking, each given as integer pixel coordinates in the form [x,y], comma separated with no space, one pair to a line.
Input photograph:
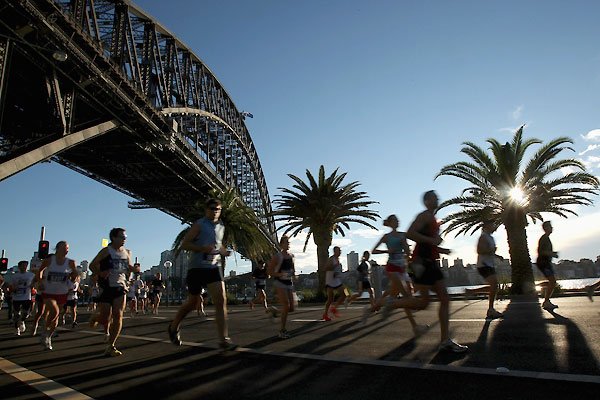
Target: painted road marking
[39,382]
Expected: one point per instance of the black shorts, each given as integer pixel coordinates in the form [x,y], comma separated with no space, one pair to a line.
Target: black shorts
[39,299]
[426,272]
[545,267]
[24,305]
[70,303]
[110,294]
[260,286]
[366,285]
[197,278]
[486,271]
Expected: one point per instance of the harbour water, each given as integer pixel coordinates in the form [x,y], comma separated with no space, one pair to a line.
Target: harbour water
[568,284]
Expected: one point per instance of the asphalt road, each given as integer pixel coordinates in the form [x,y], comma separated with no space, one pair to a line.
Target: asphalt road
[551,355]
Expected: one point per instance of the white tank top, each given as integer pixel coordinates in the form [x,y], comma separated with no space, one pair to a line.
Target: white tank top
[486,260]
[56,277]
[119,267]
[333,278]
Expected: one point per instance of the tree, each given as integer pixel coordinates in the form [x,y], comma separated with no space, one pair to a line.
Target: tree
[324,207]
[508,191]
[242,227]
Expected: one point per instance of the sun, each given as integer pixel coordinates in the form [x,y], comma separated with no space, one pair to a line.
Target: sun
[517,195]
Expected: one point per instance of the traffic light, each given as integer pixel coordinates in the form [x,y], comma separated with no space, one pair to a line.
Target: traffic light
[43,249]
[3,264]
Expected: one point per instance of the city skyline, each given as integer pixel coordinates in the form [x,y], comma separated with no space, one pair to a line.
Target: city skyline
[385,92]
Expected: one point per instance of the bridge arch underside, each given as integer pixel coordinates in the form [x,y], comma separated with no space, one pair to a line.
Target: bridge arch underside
[85,114]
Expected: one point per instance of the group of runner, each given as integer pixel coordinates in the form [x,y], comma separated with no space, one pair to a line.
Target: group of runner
[117,282]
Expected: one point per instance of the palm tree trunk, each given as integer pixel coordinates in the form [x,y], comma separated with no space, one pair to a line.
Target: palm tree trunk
[520,260]
[323,242]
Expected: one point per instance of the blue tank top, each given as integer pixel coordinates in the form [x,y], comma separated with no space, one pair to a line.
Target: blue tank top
[210,234]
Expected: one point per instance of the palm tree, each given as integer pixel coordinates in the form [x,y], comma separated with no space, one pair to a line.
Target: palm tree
[507,191]
[324,207]
[242,227]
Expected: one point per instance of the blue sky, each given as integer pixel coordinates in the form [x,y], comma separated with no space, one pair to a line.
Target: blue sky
[387,91]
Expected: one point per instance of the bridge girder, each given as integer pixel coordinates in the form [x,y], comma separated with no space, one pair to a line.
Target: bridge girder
[174,123]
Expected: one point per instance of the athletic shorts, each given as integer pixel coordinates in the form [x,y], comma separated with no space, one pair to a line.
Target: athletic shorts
[395,268]
[334,287]
[260,286]
[403,276]
[545,267]
[281,285]
[486,271]
[71,303]
[197,278]
[365,284]
[59,298]
[131,298]
[426,272]
[24,305]
[110,294]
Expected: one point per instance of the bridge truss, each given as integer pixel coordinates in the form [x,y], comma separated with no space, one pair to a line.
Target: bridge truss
[101,87]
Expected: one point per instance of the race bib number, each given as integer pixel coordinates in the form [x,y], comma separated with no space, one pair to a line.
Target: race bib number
[57,277]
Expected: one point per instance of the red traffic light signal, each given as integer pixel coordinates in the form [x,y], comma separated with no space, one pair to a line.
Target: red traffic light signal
[43,249]
[3,264]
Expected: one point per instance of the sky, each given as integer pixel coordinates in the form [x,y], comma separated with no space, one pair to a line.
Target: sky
[386,91]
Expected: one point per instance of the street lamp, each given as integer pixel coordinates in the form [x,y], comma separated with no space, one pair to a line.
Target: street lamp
[168,265]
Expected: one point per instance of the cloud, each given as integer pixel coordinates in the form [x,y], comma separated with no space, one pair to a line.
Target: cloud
[591,162]
[590,147]
[367,233]
[592,136]
[517,113]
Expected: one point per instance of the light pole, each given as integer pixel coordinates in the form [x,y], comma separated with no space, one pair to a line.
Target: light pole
[168,265]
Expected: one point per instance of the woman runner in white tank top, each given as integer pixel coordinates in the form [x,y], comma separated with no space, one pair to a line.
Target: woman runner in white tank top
[55,273]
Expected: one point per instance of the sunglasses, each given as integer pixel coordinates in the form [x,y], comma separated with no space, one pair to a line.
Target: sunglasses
[215,208]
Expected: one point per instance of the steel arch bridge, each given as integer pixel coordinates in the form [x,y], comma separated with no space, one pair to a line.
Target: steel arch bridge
[101,87]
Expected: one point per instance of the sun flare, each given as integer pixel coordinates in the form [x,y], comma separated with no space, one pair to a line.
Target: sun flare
[517,195]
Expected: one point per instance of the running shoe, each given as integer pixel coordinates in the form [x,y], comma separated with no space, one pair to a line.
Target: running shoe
[111,351]
[451,345]
[174,336]
[420,330]
[283,334]
[548,306]
[590,292]
[49,343]
[227,345]
[326,317]
[493,314]
[18,332]
[74,324]
[23,328]
[335,312]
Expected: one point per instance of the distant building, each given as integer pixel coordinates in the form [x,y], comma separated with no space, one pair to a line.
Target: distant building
[352,259]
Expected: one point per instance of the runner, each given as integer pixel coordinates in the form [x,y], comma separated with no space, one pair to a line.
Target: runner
[95,295]
[333,283]
[40,308]
[70,307]
[205,241]
[281,269]
[200,306]
[21,285]
[113,266]
[260,281]
[428,275]
[363,283]
[56,272]
[131,297]
[396,270]
[143,304]
[544,264]
[156,292]
[486,255]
